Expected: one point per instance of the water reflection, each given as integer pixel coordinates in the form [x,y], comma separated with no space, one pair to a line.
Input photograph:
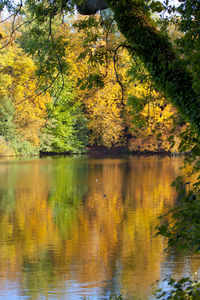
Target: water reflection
[71,227]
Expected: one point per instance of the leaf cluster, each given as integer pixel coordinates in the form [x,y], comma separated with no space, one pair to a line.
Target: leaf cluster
[185,288]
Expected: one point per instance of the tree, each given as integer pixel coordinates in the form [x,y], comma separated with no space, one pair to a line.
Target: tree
[66,126]
[133,18]
[99,89]
[108,81]
[166,68]
[22,109]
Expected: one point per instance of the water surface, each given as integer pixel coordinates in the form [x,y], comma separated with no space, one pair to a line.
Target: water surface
[75,227]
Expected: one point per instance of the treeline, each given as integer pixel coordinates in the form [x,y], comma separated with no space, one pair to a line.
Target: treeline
[85,91]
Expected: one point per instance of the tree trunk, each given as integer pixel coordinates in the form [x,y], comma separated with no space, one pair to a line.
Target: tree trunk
[166,68]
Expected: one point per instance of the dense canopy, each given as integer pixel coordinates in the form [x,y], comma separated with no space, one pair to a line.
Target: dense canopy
[134,20]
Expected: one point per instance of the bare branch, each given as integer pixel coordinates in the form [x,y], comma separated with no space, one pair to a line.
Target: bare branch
[4,20]
[116,74]
[60,71]
[14,29]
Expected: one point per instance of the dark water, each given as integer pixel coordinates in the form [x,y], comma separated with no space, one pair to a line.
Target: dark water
[75,227]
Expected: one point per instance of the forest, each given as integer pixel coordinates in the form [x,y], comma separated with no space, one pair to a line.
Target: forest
[126,77]
[80,88]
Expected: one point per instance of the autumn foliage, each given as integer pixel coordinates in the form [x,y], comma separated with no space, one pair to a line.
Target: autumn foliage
[104,97]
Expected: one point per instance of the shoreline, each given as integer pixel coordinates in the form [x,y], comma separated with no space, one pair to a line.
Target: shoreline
[102,151]
[113,151]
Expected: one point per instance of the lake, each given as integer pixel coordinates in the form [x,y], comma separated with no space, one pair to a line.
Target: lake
[79,227]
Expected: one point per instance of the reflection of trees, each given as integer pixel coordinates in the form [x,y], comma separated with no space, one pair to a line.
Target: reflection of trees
[88,223]
[30,235]
[124,199]
[99,221]
[68,189]
[29,228]
[148,192]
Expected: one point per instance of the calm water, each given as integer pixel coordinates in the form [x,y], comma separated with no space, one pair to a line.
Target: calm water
[75,227]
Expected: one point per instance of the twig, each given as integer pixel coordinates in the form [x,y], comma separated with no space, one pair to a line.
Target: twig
[41,92]
[60,70]
[115,69]
[14,30]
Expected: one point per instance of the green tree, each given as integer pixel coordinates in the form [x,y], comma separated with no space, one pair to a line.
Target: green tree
[66,126]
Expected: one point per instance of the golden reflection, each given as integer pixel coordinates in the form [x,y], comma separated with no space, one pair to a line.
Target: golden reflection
[124,200]
[85,221]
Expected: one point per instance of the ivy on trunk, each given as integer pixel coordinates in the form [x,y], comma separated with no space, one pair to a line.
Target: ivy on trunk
[154,48]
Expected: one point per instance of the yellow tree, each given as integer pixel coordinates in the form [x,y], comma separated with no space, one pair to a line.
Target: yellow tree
[105,76]
[89,54]
[18,83]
